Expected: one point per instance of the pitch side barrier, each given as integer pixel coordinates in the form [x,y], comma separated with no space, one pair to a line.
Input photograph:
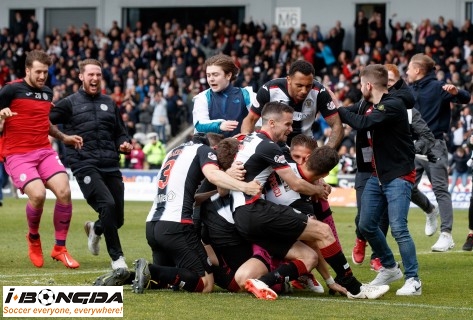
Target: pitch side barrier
[140,185]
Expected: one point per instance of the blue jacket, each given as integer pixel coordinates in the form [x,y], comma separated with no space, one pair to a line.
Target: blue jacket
[433,103]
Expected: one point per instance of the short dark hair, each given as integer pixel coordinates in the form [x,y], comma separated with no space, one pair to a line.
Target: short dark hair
[226,152]
[322,160]
[304,141]
[303,67]
[85,62]
[274,109]
[376,74]
[210,139]
[37,55]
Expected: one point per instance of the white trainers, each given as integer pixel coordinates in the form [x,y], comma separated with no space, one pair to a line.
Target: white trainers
[93,241]
[119,263]
[444,243]
[369,292]
[431,223]
[387,275]
[412,287]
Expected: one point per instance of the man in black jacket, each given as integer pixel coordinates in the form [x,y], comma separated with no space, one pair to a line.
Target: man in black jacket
[423,142]
[388,149]
[97,120]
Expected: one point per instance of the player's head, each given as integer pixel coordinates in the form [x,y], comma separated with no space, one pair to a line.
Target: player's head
[301,148]
[374,77]
[210,139]
[393,74]
[90,73]
[36,68]
[220,70]
[300,79]
[321,161]
[277,120]
[226,152]
[420,65]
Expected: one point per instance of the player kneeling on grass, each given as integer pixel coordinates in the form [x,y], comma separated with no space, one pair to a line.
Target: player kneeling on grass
[179,258]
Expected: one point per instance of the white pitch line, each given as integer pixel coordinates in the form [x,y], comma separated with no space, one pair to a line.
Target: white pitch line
[13,276]
[377,302]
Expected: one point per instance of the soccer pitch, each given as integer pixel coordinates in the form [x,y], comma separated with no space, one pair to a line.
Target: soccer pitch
[446,277]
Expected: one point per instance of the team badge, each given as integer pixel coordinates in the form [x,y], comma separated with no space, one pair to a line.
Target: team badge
[212,156]
[309,103]
[45,96]
[104,107]
[380,107]
[280,159]
[331,105]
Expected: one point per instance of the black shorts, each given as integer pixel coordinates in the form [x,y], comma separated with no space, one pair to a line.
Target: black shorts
[272,226]
[219,232]
[179,242]
[234,256]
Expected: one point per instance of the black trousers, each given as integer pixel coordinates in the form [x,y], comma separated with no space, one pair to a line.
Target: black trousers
[105,192]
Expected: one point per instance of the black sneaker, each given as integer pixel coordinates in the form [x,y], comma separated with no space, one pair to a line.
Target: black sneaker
[116,277]
[142,276]
[468,246]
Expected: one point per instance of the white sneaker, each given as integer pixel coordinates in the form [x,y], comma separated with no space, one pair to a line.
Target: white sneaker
[93,241]
[369,292]
[431,223]
[412,287]
[387,275]
[444,243]
[119,263]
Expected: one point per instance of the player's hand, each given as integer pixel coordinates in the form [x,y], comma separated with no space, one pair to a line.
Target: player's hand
[253,188]
[320,193]
[74,140]
[229,125]
[126,147]
[338,288]
[237,171]
[6,113]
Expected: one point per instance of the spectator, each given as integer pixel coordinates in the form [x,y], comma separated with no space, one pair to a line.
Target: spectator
[154,151]
[433,99]
[160,120]
[459,169]
[145,116]
[137,156]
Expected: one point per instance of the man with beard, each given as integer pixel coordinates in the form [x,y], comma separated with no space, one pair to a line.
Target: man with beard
[29,158]
[96,118]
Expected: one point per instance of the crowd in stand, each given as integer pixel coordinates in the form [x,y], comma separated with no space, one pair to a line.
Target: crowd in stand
[153,72]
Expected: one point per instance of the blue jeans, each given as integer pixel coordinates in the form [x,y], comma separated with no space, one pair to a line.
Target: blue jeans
[395,196]
[455,176]
[161,131]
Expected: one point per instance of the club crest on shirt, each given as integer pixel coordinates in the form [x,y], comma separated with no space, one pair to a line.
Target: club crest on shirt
[104,107]
[280,159]
[45,96]
[331,105]
[308,103]
[380,107]
[212,156]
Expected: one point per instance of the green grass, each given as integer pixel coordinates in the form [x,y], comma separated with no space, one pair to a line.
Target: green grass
[446,277]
